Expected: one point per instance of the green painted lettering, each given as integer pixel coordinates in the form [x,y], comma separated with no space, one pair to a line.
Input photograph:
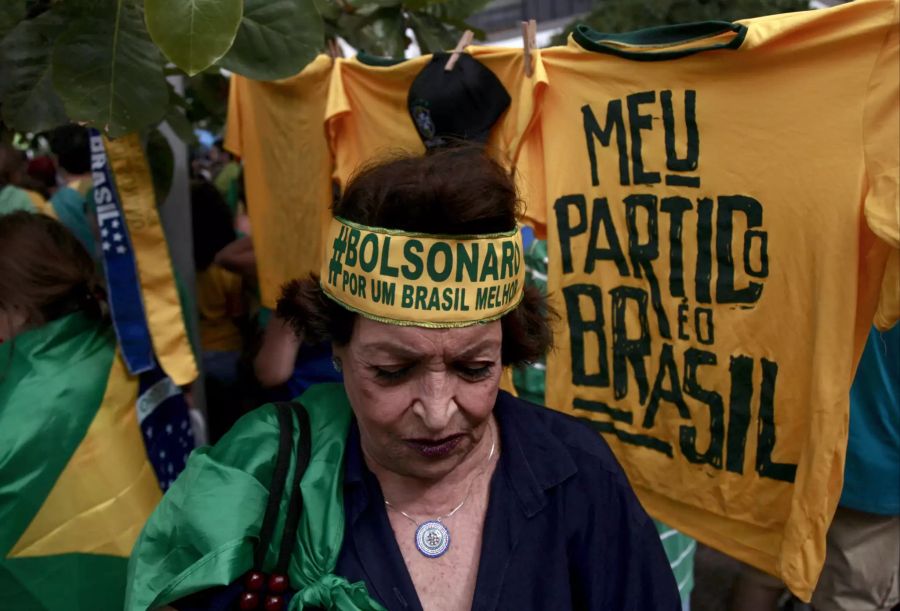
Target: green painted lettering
[411,252]
[490,264]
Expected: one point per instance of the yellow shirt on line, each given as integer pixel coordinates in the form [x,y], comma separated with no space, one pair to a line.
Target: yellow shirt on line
[329,120]
[720,211]
[277,129]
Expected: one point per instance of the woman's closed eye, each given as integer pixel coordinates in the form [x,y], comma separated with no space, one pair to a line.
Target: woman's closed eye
[474,371]
[392,373]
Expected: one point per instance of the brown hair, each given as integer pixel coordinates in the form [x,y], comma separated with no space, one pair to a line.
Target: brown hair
[44,269]
[454,191]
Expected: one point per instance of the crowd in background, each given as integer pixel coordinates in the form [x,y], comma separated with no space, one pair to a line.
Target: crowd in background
[250,356]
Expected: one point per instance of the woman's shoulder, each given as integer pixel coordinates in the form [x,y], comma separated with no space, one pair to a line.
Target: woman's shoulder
[256,433]
[567,449]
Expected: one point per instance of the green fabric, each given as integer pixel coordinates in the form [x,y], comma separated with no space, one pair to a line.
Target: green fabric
[529,380]
[375,60]
[657,38]
[74,582]
[188,307]
[71,209]
[203,533]
[225,180]
[13,199]
[63,363]
[680,550]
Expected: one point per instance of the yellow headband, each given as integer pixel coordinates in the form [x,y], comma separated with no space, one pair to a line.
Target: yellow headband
[422,280]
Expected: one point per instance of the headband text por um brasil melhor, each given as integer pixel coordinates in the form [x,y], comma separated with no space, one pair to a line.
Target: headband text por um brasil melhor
[423,280]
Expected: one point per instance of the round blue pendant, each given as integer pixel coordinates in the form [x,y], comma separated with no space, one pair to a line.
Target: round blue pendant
[432,539]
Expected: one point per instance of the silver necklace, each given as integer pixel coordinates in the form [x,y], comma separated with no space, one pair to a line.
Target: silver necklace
[432,537]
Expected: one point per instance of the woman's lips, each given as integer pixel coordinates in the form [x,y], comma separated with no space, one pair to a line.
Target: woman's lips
[435,448]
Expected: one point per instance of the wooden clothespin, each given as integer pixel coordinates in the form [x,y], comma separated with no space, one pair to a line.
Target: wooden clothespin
[464,42]
[529,43]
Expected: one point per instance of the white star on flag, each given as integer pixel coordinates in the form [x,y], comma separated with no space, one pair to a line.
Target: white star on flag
[105,245]
[120,250]
[104,232]
[117,237]
[115,224]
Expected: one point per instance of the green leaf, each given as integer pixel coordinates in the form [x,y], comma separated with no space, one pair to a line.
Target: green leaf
[456,10]
[193,34]
[362,4]
[207,97]
[380,33]
[30,103]
[277,38]
[11,13]
[108,71]
[431,34]
[328,9]
[161,160]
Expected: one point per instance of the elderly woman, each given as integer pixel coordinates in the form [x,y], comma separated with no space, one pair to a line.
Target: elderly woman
[423,486]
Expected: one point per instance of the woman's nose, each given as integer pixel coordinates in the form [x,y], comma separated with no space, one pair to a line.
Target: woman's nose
[436,404]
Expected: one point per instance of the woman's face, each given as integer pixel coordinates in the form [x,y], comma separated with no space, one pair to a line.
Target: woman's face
[422,397]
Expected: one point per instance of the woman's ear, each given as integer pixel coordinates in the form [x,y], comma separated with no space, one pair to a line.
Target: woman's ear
[338,352]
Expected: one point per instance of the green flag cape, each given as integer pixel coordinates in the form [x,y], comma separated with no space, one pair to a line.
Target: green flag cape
[203,533]
[71,499]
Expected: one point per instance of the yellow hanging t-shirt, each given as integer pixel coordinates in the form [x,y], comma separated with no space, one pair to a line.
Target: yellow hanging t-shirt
[368,118]
[277,129]
[721,201]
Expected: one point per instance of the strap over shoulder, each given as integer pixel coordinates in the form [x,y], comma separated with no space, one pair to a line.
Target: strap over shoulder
[211,526]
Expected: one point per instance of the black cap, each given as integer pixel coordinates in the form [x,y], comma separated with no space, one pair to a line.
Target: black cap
[462,104]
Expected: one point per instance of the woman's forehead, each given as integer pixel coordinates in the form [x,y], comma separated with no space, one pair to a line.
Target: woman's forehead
[373,336]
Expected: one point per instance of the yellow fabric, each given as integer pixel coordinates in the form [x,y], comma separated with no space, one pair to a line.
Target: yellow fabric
[737,312]
[40,203]
[368,119]
[219,296]
[424,280]
[277,130]
[161,303]
[99,505]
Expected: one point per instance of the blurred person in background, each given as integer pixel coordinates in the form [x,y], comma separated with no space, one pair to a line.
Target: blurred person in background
[75,483]
[72,200]
[16,192]
[221,307]
[226,172]
[42,172]
[862,560]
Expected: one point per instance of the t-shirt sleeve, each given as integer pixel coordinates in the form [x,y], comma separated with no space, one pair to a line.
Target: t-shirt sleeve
[881,133]
[336,108]
[530,168]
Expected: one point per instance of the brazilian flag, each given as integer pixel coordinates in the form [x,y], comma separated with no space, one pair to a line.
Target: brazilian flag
[76,485]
